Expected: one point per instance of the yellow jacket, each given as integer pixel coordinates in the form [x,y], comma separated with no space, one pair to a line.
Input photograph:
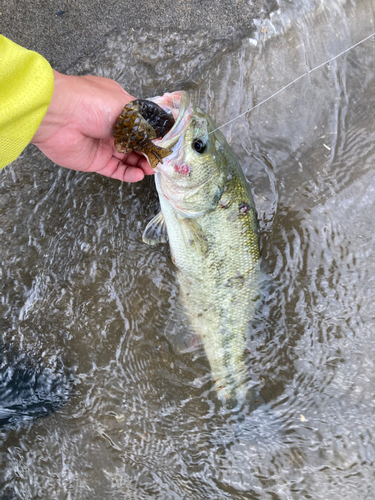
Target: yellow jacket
[26,88]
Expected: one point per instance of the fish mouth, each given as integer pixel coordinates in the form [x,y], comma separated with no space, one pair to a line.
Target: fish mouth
[178,103]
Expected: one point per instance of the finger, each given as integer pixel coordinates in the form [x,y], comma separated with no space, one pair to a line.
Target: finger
[133,174]
[136,160]
[106,149]
[116,169]
[130,168]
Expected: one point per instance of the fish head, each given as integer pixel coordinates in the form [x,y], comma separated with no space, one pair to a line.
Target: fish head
[192,178]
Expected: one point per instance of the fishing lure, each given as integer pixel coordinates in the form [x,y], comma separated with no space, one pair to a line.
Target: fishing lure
[140,122]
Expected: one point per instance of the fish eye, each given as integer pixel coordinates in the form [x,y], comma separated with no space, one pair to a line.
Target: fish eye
[199,145]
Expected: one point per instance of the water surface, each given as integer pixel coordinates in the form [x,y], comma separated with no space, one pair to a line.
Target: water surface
[85,304]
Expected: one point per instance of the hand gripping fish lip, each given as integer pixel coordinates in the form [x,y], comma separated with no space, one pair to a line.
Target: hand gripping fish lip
[139,123]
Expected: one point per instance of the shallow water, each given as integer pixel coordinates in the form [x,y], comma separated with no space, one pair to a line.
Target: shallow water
[82,297]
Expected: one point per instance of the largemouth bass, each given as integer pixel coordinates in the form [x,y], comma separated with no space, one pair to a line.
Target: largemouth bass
[209,218]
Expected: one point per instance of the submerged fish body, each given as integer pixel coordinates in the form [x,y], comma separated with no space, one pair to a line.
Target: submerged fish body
[209,218]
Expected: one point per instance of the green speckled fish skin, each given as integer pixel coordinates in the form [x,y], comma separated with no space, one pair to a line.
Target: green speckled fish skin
[213,235]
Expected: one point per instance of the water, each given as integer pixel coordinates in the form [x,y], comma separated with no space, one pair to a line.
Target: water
[83,298]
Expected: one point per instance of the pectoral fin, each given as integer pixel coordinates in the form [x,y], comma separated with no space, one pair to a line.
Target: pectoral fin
[156,231]
[193,236]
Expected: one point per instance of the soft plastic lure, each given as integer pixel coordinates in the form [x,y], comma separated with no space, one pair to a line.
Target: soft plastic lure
[140,122]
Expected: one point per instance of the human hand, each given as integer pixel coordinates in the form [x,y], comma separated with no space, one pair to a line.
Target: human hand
[77,129]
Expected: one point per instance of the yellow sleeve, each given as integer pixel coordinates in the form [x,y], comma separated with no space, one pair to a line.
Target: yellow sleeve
[26,88]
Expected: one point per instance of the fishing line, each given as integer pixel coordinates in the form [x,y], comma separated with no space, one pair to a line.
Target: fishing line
[296,80]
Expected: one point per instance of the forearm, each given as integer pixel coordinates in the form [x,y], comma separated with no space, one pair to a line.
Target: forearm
[69,118]
[26,83]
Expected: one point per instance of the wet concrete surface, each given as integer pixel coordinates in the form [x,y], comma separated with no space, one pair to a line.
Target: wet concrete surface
[63,31]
